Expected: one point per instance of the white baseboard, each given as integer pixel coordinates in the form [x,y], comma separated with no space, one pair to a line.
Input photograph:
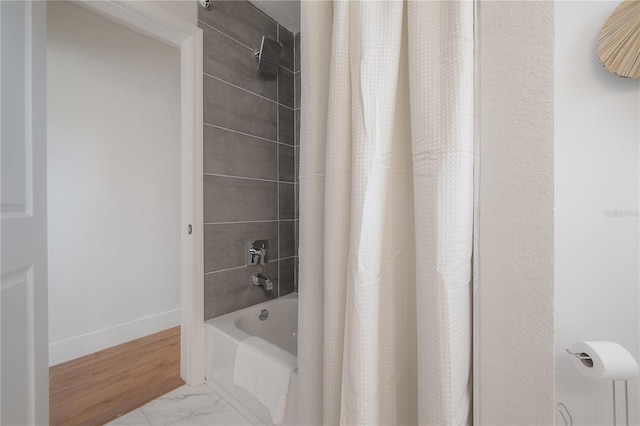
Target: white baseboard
[94,341]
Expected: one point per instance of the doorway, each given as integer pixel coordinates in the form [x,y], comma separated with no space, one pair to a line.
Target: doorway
[113,176]
[115,202]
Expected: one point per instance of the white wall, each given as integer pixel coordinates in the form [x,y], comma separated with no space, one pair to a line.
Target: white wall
[515,344]
[597,256]
[114,183]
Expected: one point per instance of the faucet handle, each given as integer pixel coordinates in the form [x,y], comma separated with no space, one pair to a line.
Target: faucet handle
[257,252]
[263,256]
[254,254]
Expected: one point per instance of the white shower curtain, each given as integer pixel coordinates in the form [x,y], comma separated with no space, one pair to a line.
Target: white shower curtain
[386,212]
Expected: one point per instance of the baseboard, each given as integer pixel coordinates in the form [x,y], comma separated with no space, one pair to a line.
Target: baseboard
[74,347]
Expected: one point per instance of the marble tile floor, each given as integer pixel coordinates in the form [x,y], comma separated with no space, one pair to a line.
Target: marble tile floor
[199,405]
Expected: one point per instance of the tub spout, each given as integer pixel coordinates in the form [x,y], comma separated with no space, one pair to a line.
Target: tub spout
[262,281]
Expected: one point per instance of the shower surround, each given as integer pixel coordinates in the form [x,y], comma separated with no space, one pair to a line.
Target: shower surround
[250,156]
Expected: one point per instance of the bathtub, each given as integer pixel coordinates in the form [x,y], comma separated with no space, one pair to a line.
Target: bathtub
[222,337]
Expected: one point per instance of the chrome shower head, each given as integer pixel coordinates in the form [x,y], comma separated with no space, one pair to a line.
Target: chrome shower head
[268,56]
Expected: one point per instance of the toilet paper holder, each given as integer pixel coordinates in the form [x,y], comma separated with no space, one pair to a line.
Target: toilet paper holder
[588,361]
[579,355]
[585,358]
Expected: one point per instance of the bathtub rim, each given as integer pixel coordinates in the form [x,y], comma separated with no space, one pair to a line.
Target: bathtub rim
[227,322]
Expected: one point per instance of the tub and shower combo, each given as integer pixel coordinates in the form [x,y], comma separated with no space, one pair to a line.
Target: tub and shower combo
[272,325]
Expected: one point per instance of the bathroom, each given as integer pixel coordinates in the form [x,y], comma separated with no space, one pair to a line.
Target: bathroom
[548,218]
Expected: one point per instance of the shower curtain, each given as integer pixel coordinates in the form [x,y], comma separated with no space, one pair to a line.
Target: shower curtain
[386,212]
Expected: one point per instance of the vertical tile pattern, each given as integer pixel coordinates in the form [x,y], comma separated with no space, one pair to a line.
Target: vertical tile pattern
[287,238]
[286,39]
[286,163]
[297,126]
[286,89]
[296,164]
[296,52]
[286,274]
[296,153]
[286,125]
[287,206]
[250,160]
[297,90]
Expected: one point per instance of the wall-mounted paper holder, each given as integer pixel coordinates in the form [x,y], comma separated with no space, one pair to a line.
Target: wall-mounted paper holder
[593,366]
[579,355]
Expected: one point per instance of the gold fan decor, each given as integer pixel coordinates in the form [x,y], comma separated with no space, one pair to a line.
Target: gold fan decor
[619,40]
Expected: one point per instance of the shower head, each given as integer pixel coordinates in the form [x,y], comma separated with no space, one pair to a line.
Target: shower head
[268,56]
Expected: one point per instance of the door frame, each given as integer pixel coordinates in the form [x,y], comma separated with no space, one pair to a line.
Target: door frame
[149,19]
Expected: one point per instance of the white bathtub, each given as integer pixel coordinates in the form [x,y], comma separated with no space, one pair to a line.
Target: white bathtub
[223,335]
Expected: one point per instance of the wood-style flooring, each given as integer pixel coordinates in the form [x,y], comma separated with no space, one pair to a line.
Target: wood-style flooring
[98,388]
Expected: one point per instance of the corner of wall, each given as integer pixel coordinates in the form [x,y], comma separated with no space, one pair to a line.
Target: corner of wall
[516,226]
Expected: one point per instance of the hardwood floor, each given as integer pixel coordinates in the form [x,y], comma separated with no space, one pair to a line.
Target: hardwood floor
[97,388]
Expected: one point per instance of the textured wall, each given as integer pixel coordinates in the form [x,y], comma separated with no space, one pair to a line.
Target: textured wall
[516,218]
[113,183]
[249,157]
[597,183]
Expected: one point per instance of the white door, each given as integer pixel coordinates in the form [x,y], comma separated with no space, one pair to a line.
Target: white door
[24,377]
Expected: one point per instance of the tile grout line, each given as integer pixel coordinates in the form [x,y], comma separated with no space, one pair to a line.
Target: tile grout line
[241,88]
[296,160]
[245,266]
[295,121]
[247,178]
[240,222]
[225,270]
[296,207]
[249,91]
[278,156]
[203,206]
[247,134]
[288,70]
[224,34]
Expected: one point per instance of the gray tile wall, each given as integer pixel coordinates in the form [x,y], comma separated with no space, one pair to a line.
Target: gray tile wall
[296,149]
[250,156]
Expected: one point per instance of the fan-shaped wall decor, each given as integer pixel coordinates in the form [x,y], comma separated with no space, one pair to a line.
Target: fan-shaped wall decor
[619,41]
